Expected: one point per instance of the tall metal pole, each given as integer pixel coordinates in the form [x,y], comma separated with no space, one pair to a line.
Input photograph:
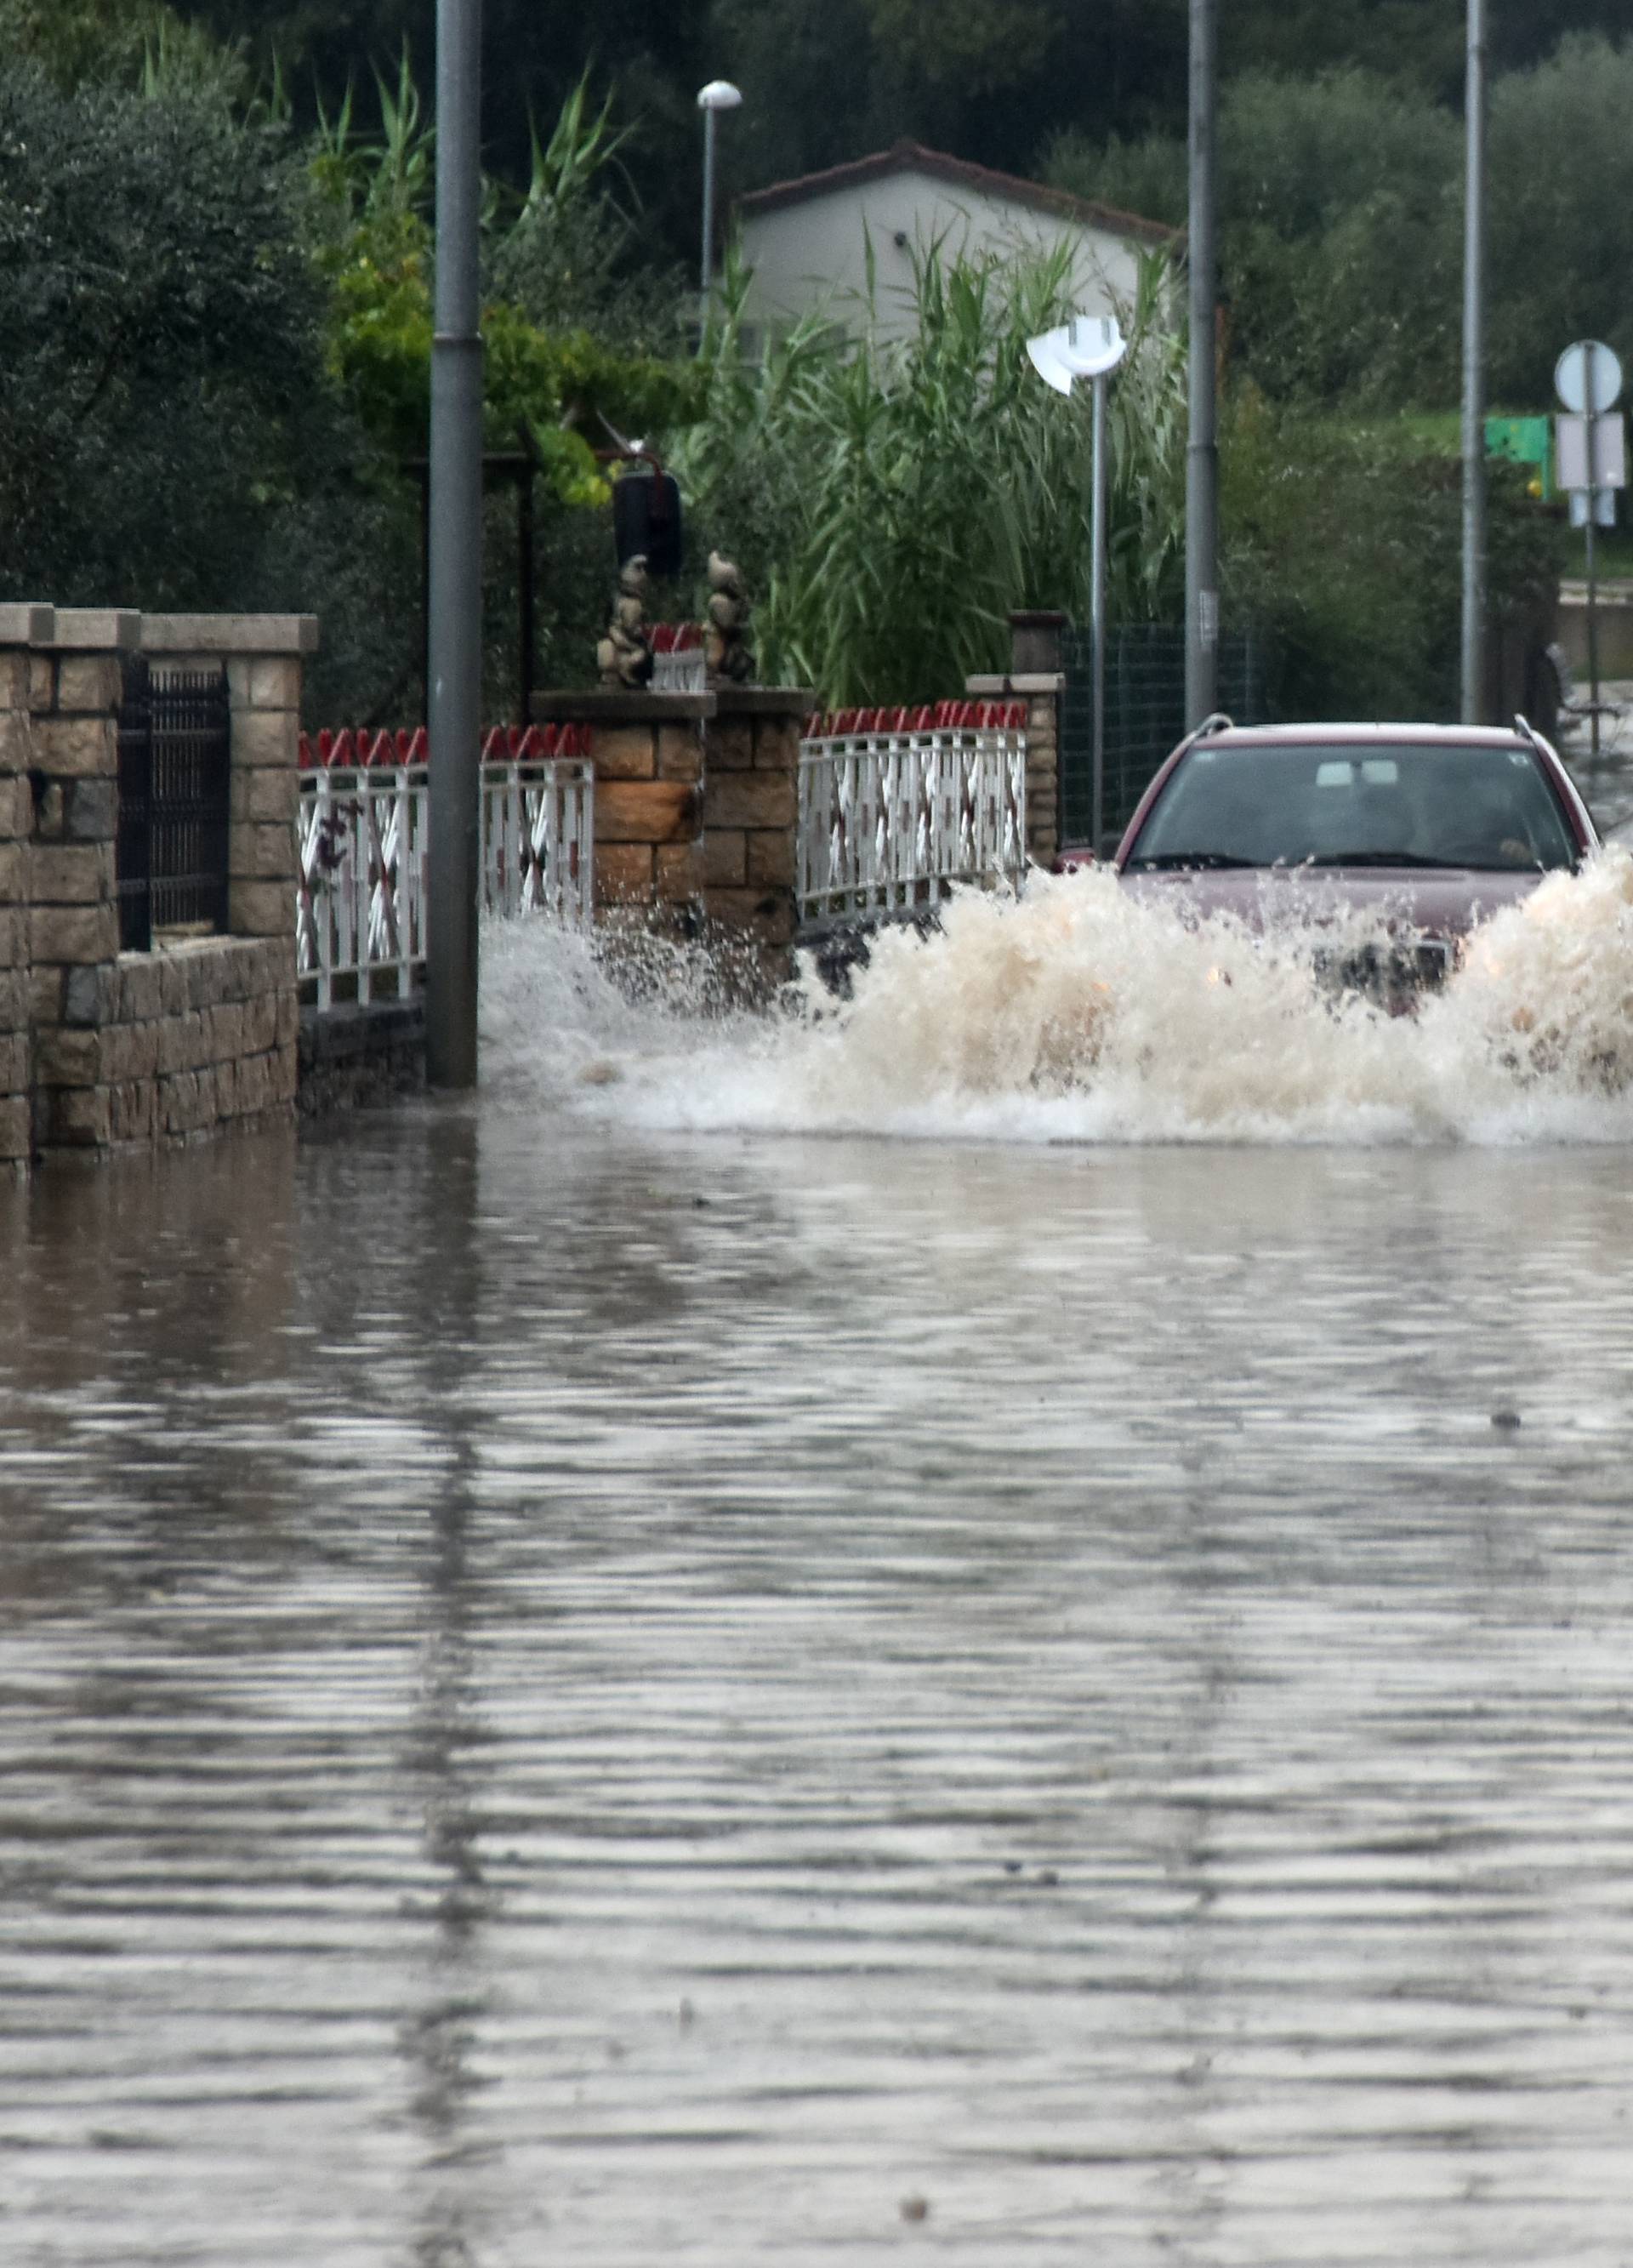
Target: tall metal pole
[1592,610]
[455,576]
[1202,461]
[709,206]
[1590,390]
[1473,655]
[1097,614]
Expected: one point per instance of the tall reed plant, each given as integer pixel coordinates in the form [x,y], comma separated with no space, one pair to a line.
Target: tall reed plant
[894,500]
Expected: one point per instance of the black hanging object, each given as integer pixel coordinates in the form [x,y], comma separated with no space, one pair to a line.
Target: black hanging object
[646,519]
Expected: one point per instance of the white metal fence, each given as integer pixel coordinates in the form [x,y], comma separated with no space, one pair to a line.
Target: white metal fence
[364,827]
[677,657]
[897,806]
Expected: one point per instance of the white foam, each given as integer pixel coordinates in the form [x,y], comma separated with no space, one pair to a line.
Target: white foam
[1079,1013]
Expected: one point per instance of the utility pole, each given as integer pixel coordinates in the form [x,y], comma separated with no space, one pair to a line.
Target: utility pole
[455,562]
[1202,459]
[1472,648]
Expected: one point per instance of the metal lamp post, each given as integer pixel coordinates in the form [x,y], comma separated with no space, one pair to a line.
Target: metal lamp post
[1090,347]
[1202,459]
[454,597]
[718,95]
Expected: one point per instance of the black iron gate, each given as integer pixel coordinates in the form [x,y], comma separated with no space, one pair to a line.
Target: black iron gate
[1144,714]
[174,779]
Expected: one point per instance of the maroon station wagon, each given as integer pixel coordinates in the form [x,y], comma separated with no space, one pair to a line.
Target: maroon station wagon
[1433,826]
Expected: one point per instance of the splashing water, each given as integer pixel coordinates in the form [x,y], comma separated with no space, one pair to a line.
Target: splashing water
[1081,1013]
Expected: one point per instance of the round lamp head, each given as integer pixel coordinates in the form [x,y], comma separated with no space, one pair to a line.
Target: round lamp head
[1089,346]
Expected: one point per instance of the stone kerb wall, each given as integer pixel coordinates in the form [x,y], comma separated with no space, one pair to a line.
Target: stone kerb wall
[117,1048]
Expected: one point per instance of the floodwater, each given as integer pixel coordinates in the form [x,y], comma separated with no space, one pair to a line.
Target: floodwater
[844,1642]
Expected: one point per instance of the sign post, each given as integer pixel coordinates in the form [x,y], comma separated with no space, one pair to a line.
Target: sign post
[1591,446]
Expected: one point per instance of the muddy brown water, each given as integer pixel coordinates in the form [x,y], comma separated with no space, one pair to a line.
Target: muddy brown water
[574,1693]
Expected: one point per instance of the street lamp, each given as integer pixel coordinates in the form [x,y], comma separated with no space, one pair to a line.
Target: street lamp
[1201,453]
[719,94]
[1090,347]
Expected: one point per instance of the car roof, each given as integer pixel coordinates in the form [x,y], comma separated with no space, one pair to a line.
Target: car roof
[1304,736]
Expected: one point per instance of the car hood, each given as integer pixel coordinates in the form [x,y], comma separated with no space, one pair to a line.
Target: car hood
[1437,902]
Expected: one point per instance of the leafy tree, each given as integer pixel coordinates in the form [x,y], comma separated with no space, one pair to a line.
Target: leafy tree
[1561,214]
[993,80]
[1339,239]
[116,41]
[1342,539]
[1342,224]
[163,387]
[553,382]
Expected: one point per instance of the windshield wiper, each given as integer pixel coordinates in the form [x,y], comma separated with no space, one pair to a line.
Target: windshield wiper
[1168,861]
[1381,858]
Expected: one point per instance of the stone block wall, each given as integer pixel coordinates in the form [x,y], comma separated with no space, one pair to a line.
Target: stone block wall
[20,627]
[1036,676]
[73,912]
[106,1048]
[751,818]
[696,804]
[649,753]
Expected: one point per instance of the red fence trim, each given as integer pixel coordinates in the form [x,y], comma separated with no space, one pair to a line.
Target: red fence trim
[676,637]
[928,717]
[356,749]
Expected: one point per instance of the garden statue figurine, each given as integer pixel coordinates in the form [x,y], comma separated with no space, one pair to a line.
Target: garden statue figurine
[624,656]
[726,657]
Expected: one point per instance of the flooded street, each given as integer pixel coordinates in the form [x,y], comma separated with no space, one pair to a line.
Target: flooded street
[671,1666]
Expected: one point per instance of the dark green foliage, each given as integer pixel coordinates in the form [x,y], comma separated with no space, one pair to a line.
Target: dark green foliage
[1340,231]
[163,395]
[1562,214]
[117,43]
[892,505]
[194,371]
[1344,542]
[1341,225]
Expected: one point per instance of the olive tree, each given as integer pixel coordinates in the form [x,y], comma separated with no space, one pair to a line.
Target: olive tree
[163,395]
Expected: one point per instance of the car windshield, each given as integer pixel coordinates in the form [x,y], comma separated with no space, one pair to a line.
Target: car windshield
[1407,803]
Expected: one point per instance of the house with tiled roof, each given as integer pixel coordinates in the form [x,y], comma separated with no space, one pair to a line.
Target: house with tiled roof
[806,240]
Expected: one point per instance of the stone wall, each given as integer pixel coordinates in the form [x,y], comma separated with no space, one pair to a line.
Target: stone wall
[1036,676]
[99,1047]
[358,1053]
[696,798]
[751,815]
[20,628]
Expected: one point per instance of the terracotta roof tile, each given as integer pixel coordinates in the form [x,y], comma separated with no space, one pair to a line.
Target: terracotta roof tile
[913,158]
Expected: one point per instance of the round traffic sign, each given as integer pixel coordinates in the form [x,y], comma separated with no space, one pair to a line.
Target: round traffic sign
[1587,378]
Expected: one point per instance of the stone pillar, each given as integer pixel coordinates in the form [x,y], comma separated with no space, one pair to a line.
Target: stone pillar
[73,912]
[751,821]
[263,656]
[21,628]
[648,753]
[1036,676]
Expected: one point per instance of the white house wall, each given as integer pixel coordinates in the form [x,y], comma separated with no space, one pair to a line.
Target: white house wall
[812,253]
